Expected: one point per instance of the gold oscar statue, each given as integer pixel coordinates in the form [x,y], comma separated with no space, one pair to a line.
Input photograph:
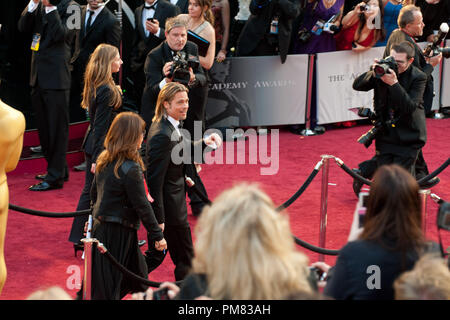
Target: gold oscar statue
[12,127]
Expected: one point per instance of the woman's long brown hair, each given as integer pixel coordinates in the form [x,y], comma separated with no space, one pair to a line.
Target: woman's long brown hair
[394,210]
[121,142]
[98,73]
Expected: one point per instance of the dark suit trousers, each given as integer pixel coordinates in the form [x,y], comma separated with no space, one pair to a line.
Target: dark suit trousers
[51,107]
[405,161]
[76,233]
[179,244]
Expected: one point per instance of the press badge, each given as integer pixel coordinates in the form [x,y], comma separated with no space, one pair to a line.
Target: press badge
[35,42]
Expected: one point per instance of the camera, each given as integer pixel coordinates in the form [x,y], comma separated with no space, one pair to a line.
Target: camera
[179,72]
[434,48]
[364,7]
[382,67]
[330,27]
[318,274]
[378,125]
[304,35]
[161,294]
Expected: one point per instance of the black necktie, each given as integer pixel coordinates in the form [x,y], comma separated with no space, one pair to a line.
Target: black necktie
[88,24]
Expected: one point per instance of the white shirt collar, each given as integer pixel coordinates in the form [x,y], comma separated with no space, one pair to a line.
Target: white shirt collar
[96,11]
[174,122]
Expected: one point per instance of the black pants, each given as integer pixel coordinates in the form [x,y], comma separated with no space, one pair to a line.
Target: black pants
[84,203]
[51,107]
[179,244]
[406,161]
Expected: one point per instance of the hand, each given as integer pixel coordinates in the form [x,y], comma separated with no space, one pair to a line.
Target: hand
[166,70]
[36,1]
[93,168]
[434,61]
[192,79]
[389,78]
[214,138]
[152,27]
[221,56]
[46,3]
[161,245]
[324,268]
[173,289]
[358,47]
[161,226]
[355,230]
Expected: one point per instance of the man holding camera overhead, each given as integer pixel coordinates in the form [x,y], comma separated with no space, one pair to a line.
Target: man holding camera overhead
[398,103]
[52,36]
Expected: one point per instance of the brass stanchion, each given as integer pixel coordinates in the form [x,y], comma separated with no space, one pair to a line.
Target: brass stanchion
[324,203]
[423,199]
[87,279]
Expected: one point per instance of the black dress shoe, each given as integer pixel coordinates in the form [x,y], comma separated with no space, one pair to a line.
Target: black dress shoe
[141,242]
[430,183]
[37,149]
[44,175]
[45,186]
[78,247]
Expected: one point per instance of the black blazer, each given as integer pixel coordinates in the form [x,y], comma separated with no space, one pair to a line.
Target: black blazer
[405,98]
[104,29]
[101,115]
[258,24]
[142,45]
[123,201]
[50,66]
[183,6]
[166,179]
[154,63]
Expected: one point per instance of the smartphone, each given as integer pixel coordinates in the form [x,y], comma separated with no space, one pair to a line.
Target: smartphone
[151,20]
[362,205]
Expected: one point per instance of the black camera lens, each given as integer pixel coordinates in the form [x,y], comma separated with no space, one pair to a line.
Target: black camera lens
[364,7]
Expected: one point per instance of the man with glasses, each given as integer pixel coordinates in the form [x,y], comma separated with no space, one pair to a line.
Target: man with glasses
[398,105]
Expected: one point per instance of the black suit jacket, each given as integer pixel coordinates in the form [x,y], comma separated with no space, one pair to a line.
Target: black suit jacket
[104,29]
[101,115]
[165,179]
[142,45]
[398,36]
[404,100]
[50,68]
[153,69]
[258,25]
[183,6]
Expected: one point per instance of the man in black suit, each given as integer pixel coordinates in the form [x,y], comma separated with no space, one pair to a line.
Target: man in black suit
[410,26]
[50,82]
[166,161]
[398,105]
[157,72]
[268,29]
[150,19]
[98,25]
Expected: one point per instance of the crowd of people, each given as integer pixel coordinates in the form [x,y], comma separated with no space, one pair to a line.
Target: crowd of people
[244,249]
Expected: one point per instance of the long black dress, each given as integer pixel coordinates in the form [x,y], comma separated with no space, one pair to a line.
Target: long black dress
[120,205]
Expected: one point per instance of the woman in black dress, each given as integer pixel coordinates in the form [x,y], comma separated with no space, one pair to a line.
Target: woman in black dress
[103,100]
[120,203]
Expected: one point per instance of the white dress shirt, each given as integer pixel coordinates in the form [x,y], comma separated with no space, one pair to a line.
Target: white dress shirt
[32,6]
[94,15]
[147,14]
[175,123]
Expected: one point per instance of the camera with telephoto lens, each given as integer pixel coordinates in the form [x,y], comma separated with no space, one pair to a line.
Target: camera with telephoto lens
[179,72]
[382,67]
[434,48]
[378,125]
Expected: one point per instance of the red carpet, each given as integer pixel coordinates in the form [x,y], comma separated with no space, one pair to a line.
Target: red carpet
[38,254]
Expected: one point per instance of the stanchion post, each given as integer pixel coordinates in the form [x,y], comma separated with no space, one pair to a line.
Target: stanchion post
[324,203]
[307,131]
[423,200]
[87,279]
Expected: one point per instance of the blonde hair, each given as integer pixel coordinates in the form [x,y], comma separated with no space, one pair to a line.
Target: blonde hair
[429,280]
[167,93]
[175,22]
[98,73]
[52,293]
[246,249]
[121,142]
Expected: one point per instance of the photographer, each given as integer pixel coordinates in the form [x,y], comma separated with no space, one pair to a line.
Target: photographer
[268,29]
[52,36]
[398,98]
[164,65]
